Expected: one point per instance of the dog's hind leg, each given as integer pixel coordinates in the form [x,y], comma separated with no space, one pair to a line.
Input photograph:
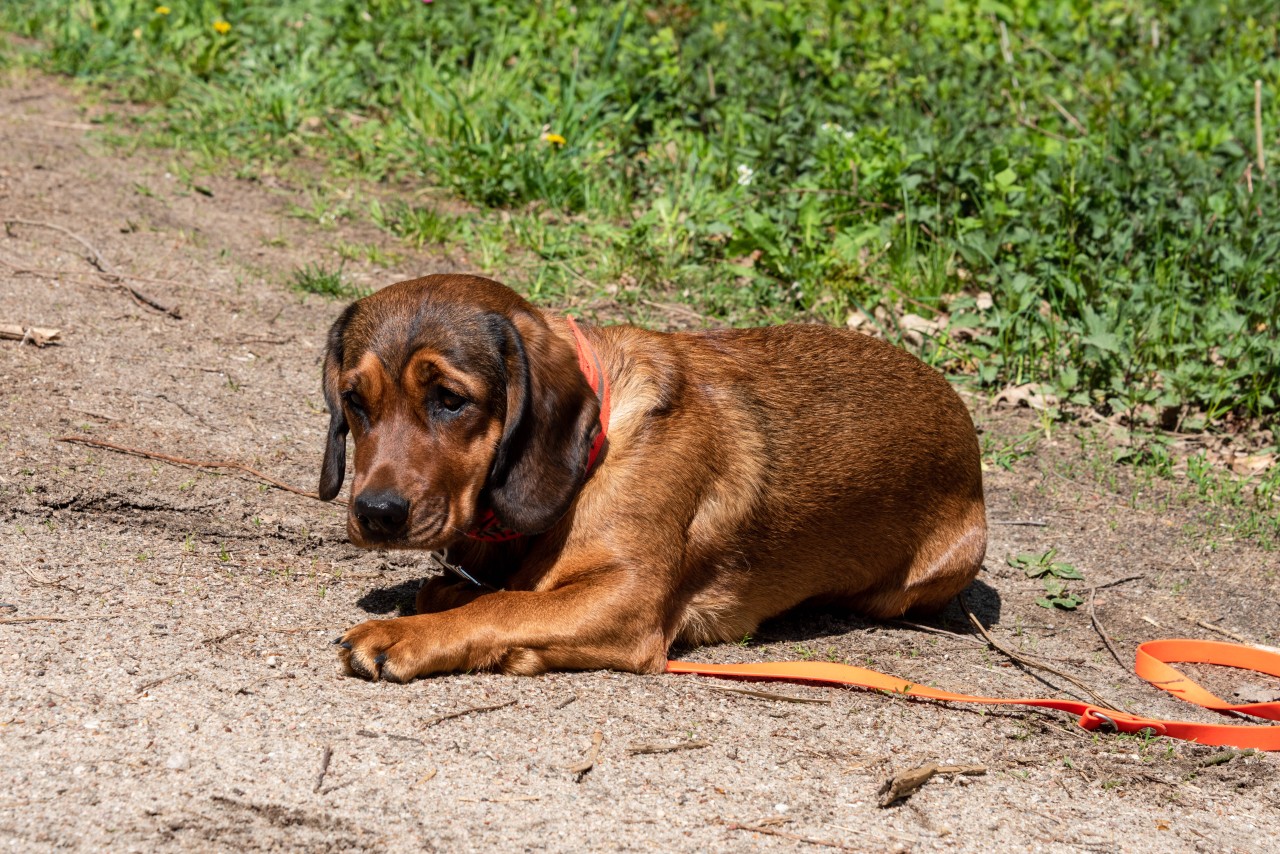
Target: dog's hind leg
[943,567]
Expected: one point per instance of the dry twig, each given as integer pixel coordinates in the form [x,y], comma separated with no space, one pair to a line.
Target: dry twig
[593,753]
[57,619]
[637,749]
[474,710]
[937,631]
[828,843]
[1118,582]
[391,735]
[49,273]
[183,461]
[1027,662]
[511,800]
[324,768]
[100,263]
[147,686]
[1097,625]
[225,636]
[95,257]
[905,783]
[767,695]
[1225,632]
[1066,114]
[37,335]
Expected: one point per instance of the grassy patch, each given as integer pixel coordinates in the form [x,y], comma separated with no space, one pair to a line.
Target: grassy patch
[324,281]
[416,225]
[1089,166]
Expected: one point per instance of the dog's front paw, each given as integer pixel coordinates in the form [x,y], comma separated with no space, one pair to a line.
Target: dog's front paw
[443,593]
[397,650]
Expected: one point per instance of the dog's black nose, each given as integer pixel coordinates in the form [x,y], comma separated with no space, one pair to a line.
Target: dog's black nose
[382,514]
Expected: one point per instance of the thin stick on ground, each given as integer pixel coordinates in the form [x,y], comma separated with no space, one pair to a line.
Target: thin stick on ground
[637,749]
[100,263]
[1224,632]
[37,335]
[1026,662]
[225,636]
[1097,625]
[200,464]
[827,843]
[593,753]
[1118,582]
[43,619]
[51,273]
[474,710]
[147,686]
[934,630]
[904,784]
[324,768]
[38,578]
[767,695]
[95,257]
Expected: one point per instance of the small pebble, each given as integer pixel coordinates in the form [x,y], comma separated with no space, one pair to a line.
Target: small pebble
[272,660]
[781,807]
[178,762]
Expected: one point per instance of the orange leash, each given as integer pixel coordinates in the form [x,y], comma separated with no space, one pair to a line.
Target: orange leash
[1153,665]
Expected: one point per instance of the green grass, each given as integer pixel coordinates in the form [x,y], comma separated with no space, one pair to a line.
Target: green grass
[1086,164]
[1220,504]
[416,225]
[323,281]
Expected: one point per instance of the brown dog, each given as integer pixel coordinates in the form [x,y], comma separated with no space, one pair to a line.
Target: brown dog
[745,472]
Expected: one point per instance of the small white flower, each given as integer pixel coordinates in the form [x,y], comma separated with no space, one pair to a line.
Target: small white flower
[836,129]
[745,174]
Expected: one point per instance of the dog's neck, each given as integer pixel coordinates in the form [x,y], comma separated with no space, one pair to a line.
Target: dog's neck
[489,527]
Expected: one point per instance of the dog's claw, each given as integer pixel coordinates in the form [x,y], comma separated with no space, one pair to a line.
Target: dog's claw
[343,644]
[380,659]
[337,640]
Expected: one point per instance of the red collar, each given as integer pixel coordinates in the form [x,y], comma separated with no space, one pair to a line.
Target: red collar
[488,527]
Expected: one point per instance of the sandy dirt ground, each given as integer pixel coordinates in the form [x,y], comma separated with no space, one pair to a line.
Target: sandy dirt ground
[184,694]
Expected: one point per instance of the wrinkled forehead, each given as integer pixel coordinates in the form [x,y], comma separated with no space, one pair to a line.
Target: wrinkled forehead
[394,330]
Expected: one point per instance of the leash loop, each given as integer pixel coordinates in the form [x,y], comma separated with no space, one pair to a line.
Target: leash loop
[1153,663]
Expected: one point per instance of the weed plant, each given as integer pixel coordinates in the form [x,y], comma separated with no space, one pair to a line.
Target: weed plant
[1091,165]
[324,281]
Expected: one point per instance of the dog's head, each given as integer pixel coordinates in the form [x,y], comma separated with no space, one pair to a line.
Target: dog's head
[460,398]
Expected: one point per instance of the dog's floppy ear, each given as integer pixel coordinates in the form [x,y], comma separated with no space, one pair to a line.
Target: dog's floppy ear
[334,467]
[551,420]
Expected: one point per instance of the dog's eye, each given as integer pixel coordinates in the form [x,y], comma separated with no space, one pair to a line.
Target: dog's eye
[450,401]
[354,400]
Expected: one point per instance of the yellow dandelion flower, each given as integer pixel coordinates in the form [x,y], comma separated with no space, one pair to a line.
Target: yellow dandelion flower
[163,10]
[221,27]
[137,34]
[553,138]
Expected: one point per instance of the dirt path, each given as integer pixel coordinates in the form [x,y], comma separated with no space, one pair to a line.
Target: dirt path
[188,693]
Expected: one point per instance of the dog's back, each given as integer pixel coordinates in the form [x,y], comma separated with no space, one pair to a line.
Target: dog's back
[827,465]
